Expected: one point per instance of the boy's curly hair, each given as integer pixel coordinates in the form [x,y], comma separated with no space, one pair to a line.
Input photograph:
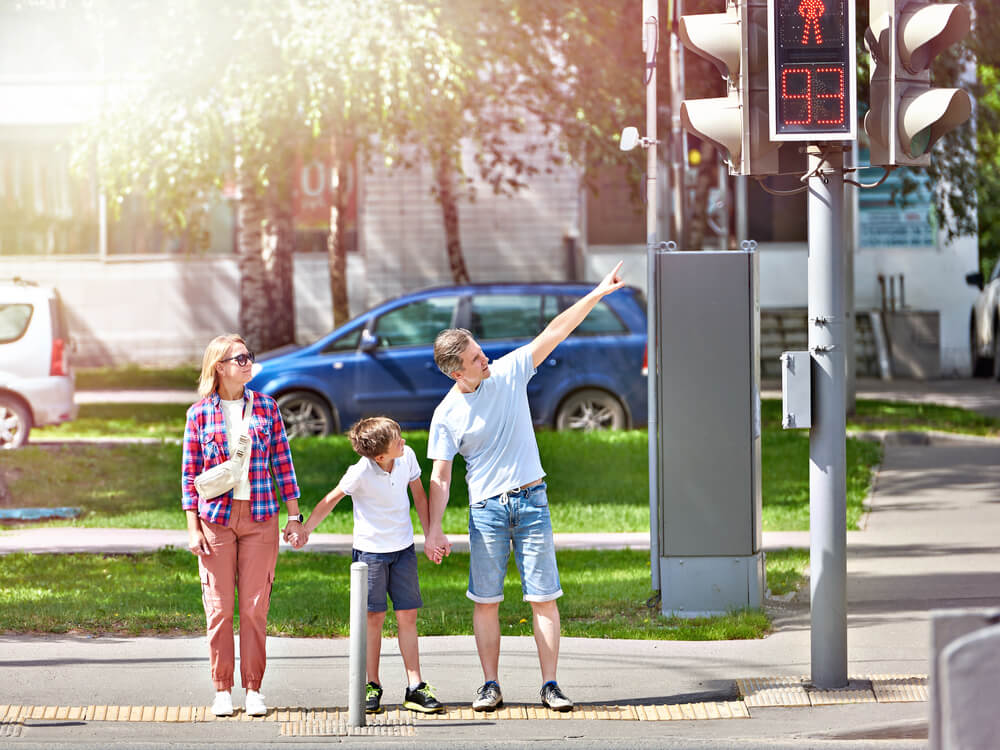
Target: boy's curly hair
[372,436]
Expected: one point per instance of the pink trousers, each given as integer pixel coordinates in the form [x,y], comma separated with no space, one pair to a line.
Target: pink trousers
[244,555]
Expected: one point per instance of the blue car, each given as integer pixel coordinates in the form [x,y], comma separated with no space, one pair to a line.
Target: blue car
[382,362]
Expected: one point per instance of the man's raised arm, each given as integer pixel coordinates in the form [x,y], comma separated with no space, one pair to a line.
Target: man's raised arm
[563,324]
[436,544]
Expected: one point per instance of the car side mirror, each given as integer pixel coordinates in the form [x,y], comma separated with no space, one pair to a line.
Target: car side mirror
[975,279]
[369,341]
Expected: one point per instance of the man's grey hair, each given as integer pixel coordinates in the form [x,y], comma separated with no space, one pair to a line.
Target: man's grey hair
[449,346]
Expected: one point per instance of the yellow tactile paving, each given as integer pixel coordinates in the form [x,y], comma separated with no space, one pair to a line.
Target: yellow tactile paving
[773,691]
[796,691]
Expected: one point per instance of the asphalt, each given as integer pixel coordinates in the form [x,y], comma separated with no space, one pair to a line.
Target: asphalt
[928,542]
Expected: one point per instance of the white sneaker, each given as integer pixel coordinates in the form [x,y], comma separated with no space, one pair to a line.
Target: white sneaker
[255,705]
[223,704]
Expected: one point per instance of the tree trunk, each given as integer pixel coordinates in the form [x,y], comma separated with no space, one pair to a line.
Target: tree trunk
[449,214]
[699,211]
[255,302]
[337,241]
[278,243]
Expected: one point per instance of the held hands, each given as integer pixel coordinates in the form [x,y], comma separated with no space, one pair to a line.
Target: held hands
[296,535]
[436,546]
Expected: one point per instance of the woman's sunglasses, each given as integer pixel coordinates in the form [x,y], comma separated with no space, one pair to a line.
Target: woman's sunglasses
[241,359]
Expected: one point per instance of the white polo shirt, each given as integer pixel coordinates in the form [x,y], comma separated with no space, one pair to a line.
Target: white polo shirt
[381,503]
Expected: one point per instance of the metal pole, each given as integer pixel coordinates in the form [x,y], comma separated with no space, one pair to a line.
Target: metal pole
[678,157]
[850,248]
[827,441]
[650,42]
[359,635]
[742,232]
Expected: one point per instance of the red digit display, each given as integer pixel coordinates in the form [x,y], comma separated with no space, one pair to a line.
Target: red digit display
[812,61]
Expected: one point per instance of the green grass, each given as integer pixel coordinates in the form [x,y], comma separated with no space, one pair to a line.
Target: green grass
[133,377]
[162,421]
[158,592]
[138,486]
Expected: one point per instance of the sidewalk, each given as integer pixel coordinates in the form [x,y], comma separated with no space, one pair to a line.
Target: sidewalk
[929,542]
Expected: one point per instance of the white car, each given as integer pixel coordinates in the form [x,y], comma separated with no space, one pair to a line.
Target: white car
[36,380]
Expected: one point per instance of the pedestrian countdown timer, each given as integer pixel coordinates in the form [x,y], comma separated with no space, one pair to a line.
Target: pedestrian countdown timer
[811,64]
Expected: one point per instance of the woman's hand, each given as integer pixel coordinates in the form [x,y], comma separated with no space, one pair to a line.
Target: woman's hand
[197,543]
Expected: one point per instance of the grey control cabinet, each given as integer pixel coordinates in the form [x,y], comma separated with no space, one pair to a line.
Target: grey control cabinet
[708,322]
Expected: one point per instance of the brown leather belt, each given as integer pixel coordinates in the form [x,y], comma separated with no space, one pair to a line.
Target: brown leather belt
[529,484]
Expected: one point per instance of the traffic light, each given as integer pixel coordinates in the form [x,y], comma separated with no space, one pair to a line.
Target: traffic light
[907,116]
[811,68]
[737,124]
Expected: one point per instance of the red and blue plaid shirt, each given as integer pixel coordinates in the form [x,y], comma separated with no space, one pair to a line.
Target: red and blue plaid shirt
[206,444]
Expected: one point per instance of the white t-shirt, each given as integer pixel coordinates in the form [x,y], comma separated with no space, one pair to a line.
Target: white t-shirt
[491,427]
[381,503]
[232,412]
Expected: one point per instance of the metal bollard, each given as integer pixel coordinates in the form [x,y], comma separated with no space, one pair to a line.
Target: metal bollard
[359,633]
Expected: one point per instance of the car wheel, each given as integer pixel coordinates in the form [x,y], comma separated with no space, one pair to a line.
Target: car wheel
[590,409]
[15,423]
[981,366]
[305,414]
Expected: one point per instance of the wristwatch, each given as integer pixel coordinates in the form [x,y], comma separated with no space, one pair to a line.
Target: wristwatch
[300,518]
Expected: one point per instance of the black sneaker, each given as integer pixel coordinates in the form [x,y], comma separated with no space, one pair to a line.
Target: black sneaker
[421,698]
[552,697]
[373,698]
[488,697]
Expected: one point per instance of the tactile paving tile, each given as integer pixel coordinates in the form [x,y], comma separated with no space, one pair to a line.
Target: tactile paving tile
[899,688]
[773,691]
[10,728]
[387,724]
[858,690]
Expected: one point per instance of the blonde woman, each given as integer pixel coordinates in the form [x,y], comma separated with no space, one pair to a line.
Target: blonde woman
[235,535]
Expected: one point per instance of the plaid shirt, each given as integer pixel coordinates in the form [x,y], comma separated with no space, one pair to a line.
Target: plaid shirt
[206,444]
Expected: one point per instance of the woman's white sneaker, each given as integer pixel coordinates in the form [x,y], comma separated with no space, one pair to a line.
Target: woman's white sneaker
[223,704]
[255,705]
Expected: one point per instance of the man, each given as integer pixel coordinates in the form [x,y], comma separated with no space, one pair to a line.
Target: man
[485,417]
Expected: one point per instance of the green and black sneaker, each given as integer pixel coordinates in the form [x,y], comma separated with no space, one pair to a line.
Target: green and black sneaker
[373,698]
[421,698]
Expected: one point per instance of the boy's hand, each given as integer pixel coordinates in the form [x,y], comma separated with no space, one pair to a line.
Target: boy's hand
[300,539]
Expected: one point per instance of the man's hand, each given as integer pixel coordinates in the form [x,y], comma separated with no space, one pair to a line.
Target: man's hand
[612,282]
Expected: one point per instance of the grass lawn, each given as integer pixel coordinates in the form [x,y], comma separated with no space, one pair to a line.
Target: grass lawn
[133,377]
[158,592]
[129,485]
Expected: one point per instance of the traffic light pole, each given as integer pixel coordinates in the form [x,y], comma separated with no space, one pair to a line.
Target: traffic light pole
[827,438]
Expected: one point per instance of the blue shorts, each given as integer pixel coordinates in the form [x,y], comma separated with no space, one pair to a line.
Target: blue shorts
[392,573]
[520,518]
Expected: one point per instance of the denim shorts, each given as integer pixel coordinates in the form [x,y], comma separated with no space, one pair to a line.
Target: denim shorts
[520,518]
[392,573]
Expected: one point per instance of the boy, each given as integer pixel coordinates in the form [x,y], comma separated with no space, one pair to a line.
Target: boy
[383,538]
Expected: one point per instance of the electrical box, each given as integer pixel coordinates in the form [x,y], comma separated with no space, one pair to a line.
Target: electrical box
[796,390]
[708,401]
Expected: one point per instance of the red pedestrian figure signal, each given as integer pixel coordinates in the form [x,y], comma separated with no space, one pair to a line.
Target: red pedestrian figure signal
[811,11]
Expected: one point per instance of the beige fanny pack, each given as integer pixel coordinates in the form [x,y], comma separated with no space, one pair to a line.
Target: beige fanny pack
[223,477]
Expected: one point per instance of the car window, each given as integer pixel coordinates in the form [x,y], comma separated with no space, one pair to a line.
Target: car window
[417,323]
[996,271]
[13,322]
[346,343]
[506,316]
[600,321]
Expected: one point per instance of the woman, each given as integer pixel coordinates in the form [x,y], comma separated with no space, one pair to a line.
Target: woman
[235,535]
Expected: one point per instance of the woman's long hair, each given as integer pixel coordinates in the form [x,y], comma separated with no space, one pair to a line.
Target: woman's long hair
[215,352]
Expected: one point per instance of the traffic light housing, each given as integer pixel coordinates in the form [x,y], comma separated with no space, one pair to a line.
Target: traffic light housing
[735,42]
[907,116]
